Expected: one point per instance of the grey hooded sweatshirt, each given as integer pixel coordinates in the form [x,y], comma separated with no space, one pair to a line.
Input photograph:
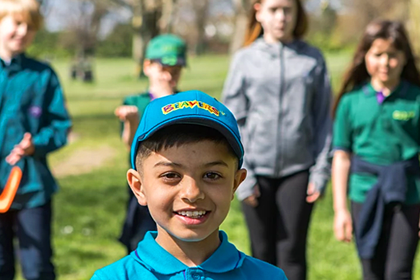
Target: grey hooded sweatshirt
[281,96]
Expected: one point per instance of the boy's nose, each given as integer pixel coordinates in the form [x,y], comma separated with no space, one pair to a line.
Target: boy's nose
[191,190]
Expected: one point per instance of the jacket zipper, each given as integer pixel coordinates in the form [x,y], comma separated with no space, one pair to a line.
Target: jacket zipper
[279,147]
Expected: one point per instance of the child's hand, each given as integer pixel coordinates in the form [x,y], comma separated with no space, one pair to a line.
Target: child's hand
[253,199]
[24,148]
[312,194]
[343,227]
[127,113]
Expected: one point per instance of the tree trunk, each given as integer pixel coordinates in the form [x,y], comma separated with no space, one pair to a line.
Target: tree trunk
[242,8]
[413,25]
[166,20]
[241,24]
[137,22]
[145,24]
[201,10]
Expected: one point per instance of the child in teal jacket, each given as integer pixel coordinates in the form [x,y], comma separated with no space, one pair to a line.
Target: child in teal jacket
[33,122]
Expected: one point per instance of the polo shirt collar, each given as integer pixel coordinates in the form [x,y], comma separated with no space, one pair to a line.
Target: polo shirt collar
[369,90]
[156,259]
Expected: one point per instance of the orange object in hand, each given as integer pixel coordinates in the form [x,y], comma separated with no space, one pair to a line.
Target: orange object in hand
[9,192]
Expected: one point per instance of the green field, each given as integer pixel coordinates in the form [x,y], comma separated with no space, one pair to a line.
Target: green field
[90,206]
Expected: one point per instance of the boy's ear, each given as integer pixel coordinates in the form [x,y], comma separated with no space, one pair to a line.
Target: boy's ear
[146,66]
[239,178]
[135,181]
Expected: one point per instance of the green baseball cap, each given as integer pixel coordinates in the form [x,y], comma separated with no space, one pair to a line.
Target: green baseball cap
[168,49]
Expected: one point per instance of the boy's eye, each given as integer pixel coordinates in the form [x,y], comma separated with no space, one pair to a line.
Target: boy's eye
[170,176]
[212,175]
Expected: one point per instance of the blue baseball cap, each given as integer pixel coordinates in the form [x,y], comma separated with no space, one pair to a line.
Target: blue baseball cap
[188,107]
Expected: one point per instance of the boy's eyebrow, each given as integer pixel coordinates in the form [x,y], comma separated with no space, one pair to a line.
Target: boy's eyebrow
[219,162]
[167,163]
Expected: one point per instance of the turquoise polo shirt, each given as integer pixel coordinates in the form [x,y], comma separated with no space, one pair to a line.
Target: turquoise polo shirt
[380,132]
[31,100]
[151,261]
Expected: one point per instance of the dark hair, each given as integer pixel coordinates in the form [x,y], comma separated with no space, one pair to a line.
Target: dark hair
[379,29]
[177,135]
[255,29]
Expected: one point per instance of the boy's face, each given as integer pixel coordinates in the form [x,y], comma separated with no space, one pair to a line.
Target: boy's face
[188,190]
[158,73]
[15,35]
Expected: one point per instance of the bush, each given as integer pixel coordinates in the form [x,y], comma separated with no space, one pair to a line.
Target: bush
[117,44]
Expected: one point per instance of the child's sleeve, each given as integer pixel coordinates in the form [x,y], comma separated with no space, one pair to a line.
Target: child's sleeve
[234,97]
[56,121]
[342,136]
[322,126]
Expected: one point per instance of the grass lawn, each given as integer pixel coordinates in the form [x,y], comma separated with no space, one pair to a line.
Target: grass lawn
[90,206]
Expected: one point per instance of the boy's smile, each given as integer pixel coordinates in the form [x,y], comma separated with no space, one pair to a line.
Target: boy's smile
[188,190]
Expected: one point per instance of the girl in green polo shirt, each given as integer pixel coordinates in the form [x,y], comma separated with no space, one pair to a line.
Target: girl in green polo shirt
[376,142]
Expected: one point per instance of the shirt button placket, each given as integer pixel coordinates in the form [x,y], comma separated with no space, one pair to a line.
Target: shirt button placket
[196,274]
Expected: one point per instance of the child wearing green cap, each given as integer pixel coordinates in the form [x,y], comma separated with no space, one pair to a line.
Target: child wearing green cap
[186,161]
[164,59]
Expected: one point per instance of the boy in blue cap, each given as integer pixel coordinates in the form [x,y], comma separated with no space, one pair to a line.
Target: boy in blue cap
[164,59]
[186,165]
[33,122]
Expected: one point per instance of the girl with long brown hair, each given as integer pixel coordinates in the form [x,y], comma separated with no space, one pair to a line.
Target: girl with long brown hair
[376,145]
[279,90]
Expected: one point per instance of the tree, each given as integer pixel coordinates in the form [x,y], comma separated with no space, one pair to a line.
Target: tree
[414,24]
[149,18]
[358,13]
[84,22]
[242,10]
[201,14]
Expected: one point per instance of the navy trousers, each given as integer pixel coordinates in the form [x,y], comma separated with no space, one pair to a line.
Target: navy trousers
[137,222]
[32,228]
[396,250]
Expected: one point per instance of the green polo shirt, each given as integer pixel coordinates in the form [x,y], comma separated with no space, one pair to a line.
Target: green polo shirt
[379,133]
[139,100]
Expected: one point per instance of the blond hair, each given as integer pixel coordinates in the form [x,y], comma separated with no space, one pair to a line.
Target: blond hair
[29,10]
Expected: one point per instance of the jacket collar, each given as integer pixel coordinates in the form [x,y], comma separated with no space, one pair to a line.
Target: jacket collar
[274,49]
[16,64]
[156,259]
[400,90]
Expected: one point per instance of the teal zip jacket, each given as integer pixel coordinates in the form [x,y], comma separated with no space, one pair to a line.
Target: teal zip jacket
[31,100]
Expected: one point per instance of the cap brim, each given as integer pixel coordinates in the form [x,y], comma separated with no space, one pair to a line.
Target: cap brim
[180,61]
[233,141]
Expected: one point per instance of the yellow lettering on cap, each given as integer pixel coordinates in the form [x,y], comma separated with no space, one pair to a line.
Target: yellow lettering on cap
[167,109]
[190,104]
